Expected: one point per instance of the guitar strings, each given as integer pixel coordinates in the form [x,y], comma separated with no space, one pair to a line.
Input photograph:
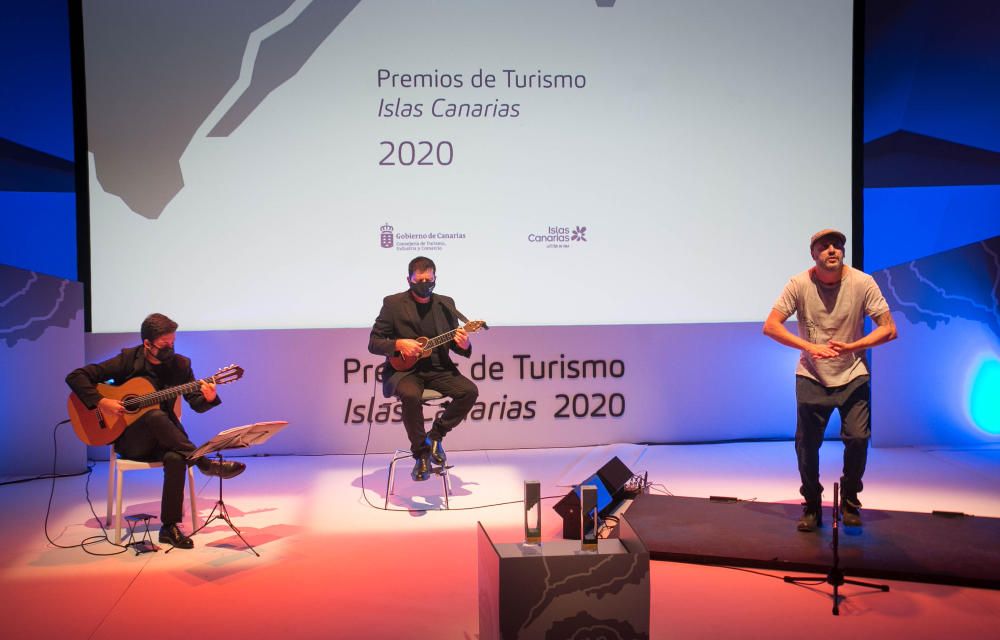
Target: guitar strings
[155,398]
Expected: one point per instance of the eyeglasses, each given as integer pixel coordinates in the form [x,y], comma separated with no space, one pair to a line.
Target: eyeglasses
[823,245]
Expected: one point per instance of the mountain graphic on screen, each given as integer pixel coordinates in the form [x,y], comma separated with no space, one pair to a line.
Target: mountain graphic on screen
[959,283]
[32,302]
[175,71]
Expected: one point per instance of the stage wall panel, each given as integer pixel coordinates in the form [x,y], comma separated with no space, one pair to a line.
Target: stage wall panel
[663,383]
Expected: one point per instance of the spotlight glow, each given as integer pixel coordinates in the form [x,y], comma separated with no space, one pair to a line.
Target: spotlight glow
[984,402]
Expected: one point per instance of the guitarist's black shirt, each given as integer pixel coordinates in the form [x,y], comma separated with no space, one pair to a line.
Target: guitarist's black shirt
[427,328]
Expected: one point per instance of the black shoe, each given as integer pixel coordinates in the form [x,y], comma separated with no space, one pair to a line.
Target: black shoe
[226,469]
[422,468]
[811,519]
[172,535]
[850,511]
[438,455]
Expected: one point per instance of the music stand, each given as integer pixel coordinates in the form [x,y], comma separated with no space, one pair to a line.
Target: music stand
[235,438]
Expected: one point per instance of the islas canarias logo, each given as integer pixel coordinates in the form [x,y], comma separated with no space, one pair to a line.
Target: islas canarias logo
[559,237]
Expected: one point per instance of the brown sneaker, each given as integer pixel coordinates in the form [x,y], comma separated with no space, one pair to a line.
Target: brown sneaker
[812,519]
[850,512]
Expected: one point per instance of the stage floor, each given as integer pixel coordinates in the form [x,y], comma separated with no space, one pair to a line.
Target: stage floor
[332,566]
[901,545]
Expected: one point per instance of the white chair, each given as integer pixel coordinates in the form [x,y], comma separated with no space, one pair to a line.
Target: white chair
[116,469]
[429,398]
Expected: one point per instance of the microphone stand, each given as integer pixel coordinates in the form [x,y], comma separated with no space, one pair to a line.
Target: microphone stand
[835,576]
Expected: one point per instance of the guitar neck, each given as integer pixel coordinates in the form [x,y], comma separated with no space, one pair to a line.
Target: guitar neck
[155,398]
[442,339]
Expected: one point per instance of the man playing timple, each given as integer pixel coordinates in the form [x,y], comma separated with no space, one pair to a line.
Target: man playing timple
[831,301]
[418,312]
[158,435]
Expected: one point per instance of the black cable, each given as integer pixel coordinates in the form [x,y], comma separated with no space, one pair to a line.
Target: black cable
[90,540]
[639,484]
[45,476]
[662,489]
[364,455]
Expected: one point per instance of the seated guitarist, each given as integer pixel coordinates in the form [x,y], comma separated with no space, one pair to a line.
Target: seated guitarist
[404,317]
[157,436]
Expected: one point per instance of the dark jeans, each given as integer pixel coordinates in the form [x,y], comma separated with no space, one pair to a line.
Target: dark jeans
[815,406]
[462,391]
[156,438]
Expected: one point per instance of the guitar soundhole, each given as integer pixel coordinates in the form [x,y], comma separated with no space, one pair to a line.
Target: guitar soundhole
[125,402]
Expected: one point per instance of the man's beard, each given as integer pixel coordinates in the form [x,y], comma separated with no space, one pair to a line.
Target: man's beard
[825,266]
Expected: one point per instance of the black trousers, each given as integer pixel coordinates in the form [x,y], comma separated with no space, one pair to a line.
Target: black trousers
[156,438]
[462,391]
[815,406]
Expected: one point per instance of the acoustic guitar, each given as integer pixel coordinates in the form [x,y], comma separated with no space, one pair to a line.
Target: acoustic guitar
[139,397]
[427,345]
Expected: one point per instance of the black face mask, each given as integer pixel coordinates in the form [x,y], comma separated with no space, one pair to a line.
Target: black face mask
[422,289]
[164,354]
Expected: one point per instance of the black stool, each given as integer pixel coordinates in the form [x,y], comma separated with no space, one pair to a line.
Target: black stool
[144,544]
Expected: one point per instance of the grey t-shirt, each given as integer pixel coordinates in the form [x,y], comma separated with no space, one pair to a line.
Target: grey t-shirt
[832,312]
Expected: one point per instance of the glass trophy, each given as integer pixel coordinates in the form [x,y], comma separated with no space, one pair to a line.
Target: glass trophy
[588,517]
[532,512]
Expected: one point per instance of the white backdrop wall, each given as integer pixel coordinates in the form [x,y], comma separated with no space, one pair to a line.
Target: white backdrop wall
[671,383]
[624,184]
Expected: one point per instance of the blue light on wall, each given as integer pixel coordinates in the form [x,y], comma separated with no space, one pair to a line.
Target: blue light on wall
[37,189]
[984,401]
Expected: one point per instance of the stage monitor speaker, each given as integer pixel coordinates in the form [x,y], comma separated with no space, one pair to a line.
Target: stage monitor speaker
[610,481]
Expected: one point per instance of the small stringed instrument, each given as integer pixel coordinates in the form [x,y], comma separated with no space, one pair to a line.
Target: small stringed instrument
[402,363]
[139,397]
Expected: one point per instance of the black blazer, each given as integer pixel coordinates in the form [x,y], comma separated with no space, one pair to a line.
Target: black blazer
[398,318]
[131,363]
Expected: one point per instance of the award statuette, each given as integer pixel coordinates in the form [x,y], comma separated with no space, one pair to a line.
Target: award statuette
[532,512]
[588,517]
